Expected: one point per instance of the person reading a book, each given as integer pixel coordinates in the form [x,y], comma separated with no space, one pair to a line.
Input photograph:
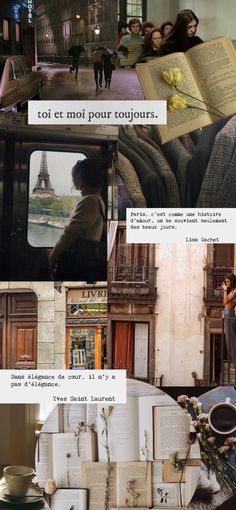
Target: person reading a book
[229,302]
[182,36]
[87,220]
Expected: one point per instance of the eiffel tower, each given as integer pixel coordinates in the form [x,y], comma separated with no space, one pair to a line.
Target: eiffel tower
[43,184]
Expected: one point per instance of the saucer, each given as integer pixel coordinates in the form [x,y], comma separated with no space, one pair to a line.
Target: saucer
[33,495]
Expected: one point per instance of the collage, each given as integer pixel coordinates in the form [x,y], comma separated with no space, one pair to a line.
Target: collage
[77,297]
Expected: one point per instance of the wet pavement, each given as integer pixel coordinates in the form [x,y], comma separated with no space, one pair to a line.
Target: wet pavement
[59,84]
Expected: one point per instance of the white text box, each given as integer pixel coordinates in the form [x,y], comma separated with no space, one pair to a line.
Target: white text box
[97,112]
[63,386]
[181,225]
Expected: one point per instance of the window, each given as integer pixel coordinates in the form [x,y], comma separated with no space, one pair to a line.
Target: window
[17,32]
[18,70]
[5,27]
[25,66]
[52,198]
[134,9]
[11,73]
[128,9]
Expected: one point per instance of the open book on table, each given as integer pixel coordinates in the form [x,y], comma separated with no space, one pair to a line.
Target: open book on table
[69,499]
[68,417]
[59,456]
[209,74]
[148,428]
[94,476]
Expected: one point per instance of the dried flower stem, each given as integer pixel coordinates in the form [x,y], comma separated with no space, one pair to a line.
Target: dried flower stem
[220,114]
[105,417]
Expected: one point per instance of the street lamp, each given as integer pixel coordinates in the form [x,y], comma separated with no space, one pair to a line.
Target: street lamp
[97,30]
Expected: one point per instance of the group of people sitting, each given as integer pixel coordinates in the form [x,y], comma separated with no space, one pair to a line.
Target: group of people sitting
[156,42]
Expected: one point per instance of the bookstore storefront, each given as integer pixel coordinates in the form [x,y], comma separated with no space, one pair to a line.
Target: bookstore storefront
[86,328]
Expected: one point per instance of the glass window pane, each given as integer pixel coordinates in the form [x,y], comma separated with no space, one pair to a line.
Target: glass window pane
[18,68]
[51,196]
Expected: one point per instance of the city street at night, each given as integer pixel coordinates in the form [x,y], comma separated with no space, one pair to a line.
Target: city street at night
[60,84]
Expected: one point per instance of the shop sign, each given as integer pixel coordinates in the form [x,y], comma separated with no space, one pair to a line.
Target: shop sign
[89,295]
[30,11]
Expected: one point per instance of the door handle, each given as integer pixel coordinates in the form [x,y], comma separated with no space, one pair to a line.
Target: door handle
[25,356]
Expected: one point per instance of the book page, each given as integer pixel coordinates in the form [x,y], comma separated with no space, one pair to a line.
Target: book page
[214,65]
[168,495]
[91,414]
[66,463]
[145,419]
[93,478]
[123,432]
[155,87]
[192,475]
[43,459]
[73,415]
[54,421]
[138,476]
[66,499]
[157,472]
[87,446]
[171,429]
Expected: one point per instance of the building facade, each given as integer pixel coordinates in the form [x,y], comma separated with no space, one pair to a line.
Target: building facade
[17,33]
[165,312]
[48,326]
[63,23]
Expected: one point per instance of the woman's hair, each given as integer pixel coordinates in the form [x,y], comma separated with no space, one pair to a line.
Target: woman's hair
[90,171]
[232,278]
[179,29]
[148,39]
[155,30]
[147,24]
[122,24]
[164,25]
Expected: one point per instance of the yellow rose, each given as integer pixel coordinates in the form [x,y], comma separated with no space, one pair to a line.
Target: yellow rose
[173,76]
[176,103]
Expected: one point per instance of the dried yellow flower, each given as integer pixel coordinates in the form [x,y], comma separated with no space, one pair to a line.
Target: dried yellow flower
[177,102]
[173,76]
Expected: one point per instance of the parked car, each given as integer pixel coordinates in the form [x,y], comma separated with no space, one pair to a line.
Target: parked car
[18,83]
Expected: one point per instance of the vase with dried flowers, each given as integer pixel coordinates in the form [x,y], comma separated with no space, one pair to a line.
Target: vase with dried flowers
[214,457]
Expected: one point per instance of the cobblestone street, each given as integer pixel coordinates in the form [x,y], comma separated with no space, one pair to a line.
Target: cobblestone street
[60,84]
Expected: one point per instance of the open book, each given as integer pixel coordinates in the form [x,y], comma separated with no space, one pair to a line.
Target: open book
[148,428]
[209,71]
[131,429]
[63,499]
[94,476]
[59,456]
[68,417]
[134,53]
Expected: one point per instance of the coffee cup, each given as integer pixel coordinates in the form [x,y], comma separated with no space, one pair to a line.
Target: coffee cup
[222,418]
[18,480]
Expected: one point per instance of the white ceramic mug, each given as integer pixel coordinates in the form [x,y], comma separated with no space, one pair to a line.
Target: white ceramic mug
[222,418]
[18,480]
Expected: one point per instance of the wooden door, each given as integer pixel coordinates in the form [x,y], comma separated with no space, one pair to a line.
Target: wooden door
[21,346]
[18,330]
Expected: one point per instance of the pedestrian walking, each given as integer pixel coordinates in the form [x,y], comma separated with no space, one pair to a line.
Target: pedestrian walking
[75,52]
[97,60]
